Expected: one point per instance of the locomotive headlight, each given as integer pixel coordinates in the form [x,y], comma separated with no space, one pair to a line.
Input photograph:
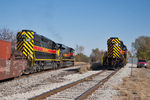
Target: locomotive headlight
[23,36]
[28,40]
[116,44]
[113,42]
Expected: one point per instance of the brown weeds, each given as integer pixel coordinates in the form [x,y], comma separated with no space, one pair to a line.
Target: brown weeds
[79,63]
[84,68]
[136,87]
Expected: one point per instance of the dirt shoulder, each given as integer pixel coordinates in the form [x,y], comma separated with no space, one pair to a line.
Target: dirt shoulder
[136,87]
[79,63]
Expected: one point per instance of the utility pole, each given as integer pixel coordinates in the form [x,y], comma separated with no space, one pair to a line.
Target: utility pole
[132,62]
[132,67]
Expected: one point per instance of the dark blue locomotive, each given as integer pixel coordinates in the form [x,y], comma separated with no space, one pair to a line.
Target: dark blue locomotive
[43,53]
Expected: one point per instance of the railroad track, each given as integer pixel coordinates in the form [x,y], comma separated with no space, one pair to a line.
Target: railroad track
[78,90]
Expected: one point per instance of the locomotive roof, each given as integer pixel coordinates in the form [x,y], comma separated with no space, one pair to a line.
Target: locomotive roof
[64,46]
[27,30]
[114,38]
[37,34]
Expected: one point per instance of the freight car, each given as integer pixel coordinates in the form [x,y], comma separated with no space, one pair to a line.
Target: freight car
[34,53]
[116,55]
[10,65]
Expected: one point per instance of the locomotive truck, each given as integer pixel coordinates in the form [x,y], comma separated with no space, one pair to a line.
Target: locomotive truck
[116,55]
[34,53]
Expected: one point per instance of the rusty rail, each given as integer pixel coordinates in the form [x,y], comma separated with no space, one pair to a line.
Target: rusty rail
[52,92]
[94,88]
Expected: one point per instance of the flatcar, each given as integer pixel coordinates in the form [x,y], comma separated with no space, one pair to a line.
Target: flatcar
[116,55]
[35,53]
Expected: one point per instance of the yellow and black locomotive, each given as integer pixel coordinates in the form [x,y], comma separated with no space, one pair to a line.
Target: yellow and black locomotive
[116,55]
[43,53]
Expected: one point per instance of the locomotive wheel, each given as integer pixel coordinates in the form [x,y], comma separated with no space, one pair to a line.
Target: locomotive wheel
[26,72]
[38,69]
[72,63]
[60,65]
[21,73]
[54,66]
[31,71]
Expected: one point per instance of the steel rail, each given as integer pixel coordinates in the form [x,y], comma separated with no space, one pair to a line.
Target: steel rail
[94,88]
[52,92]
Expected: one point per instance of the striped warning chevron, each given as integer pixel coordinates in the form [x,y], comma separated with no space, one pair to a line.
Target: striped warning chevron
[114,48]
[25,43]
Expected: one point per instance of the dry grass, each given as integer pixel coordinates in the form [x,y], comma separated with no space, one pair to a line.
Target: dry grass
[148,65]
[79,63]
[136,87]
[84,68]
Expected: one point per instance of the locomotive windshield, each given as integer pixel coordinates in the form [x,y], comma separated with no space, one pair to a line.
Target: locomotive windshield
[124,48]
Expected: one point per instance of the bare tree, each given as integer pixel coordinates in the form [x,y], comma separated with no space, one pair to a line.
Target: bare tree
[96,55]
[79,49]
[6,34]
[80,56]
[129,54]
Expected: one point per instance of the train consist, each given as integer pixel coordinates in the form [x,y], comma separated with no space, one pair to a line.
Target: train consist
[34,53]
[116,55]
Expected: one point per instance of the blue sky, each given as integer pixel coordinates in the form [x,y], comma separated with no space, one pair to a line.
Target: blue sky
[84,22]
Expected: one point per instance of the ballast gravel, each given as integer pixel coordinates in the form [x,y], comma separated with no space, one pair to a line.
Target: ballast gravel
[75,91]
[28,87]
[108,91]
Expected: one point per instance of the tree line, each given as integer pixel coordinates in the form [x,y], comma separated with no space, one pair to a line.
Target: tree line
[95,56]
[141,47]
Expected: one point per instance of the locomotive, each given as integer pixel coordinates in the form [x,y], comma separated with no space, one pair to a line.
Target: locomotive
[35,53]
[116,55]
[43,53]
